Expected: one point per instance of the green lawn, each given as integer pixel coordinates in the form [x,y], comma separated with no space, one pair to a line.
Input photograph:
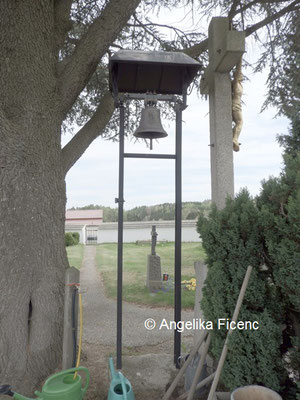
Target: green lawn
[135,270]
[75,255]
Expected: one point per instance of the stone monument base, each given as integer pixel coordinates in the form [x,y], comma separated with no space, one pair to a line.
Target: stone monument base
[153,282]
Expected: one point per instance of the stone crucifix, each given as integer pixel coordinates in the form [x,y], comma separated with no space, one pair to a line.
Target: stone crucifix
[153,281]
[225,48]
[154,235]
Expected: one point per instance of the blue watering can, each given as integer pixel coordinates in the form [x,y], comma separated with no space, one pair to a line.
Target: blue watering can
[120,387]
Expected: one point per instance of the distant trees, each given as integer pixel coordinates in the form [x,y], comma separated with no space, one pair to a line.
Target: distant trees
[165,212]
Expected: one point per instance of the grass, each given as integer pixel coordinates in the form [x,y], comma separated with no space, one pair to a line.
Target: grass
[75,255]
[135,271]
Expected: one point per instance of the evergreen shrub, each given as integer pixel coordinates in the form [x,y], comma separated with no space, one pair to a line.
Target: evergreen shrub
[75,237]
[233,239]
[69,239]
[264,233]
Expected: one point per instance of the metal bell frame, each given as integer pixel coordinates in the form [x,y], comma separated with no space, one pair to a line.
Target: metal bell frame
[179,105]
[136,74]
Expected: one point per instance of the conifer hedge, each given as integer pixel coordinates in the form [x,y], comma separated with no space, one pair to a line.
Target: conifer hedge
[265,233]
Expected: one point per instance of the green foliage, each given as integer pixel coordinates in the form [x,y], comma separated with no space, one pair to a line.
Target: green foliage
[76,237]
[280,210]
[284,76]
[280,213]
[266,235]
[69,239]
[291,142]
[232,239]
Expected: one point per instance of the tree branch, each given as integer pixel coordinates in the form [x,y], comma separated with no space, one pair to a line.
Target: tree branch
[197,49]
[91,48]
[144,26]
[90,131]
[256,2]
[233,9]
[271,18]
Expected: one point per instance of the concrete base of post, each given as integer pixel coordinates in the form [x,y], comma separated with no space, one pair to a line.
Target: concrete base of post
[154,281]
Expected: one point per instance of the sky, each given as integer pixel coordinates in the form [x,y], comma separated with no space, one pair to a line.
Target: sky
[94,178]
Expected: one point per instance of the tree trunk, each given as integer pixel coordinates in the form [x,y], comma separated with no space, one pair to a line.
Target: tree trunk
[32,198]
[33,259]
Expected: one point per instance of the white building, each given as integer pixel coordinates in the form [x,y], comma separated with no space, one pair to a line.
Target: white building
[92,230]
[134,231]
[86,223]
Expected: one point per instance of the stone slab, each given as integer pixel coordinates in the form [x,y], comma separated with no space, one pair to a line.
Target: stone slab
[154,281]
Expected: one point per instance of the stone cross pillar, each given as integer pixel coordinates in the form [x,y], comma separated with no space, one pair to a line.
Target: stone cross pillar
[225,49]
[154,235]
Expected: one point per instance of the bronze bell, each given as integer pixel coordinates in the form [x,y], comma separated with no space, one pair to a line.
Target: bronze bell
[150,124]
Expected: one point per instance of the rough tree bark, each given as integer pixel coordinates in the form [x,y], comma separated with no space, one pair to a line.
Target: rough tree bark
[33,257]
[35,96]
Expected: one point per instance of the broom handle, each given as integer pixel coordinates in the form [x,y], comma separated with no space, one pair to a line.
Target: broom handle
[225,347]
[200,385]
[199,368]
[184,367]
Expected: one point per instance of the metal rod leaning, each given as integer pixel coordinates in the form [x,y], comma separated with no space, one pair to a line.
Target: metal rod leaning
[225,347]
[199,368]
[184,367]
[205,382]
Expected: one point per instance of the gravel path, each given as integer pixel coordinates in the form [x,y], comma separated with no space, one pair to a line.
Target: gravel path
[100,313]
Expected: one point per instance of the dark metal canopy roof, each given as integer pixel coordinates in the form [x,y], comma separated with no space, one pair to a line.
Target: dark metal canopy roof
[134,71]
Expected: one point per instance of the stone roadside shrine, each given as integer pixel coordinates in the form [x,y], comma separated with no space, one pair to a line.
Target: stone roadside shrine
[225,48]
[154,281]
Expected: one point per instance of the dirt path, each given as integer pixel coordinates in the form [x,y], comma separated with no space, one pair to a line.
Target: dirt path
[147,355]
[100,313]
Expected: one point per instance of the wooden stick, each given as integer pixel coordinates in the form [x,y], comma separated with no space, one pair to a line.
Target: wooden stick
[199,368]
[184,367]
[205,382]
[225,347]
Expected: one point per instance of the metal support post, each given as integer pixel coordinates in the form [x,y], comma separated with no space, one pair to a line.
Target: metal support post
[120,202]
[178,217]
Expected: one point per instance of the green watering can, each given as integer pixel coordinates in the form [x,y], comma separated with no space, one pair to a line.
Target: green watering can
[60,386]
[120,387]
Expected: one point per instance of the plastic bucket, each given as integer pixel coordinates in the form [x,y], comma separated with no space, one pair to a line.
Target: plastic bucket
[254,392]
